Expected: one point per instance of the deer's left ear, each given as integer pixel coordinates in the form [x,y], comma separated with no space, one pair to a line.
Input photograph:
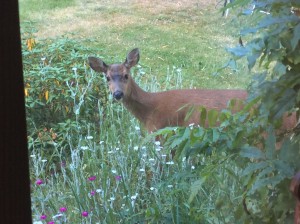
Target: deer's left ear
[132,58]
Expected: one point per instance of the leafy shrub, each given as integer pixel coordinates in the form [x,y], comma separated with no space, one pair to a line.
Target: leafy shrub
[59,87]
[241,153]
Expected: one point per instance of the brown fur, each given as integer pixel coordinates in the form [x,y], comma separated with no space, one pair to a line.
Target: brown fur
[162,109]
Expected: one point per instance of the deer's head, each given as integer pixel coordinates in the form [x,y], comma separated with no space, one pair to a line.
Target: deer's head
[117,75]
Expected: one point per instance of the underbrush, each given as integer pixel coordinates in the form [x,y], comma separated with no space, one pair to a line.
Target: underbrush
[91,162]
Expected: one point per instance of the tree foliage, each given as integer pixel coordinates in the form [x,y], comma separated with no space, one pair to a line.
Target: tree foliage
[243,149]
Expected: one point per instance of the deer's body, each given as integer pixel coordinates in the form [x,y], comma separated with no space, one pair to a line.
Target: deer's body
[169,108]
[161,109]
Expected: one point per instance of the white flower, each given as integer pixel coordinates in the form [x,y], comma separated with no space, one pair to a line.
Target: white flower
[37,222]
[74,69]
[101,142]
[157,143]
[110,152]
[89,137]
[170,186]
[163,156]
[44,160]
[114,171]
[84,147]
[152,188]
[98,190]
[32,156]
[193,167]
[117,149]
[142,170]
[137,128]
[135,148]
[43,58]
[57,216]
[170,163]
[134,196]
[112,198]
[158,149]
[151,160]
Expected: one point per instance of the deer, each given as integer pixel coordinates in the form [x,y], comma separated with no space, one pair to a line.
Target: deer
[157,110]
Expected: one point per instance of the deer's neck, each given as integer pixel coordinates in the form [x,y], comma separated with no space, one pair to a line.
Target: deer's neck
[139,102]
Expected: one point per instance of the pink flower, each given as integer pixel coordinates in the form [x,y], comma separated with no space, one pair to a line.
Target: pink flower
[63,209]
[39,181]
[85,214]
[92,178]
[51,222]
[93,193]
[118,178]
[43,217]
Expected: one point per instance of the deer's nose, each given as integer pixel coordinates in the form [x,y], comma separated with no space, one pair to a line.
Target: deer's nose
[118,95]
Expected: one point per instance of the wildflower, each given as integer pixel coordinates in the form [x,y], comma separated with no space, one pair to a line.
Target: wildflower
[135,148]
[134,196]
[92,193]
[84,147]
[51,222]
[151,160]
[170,163]
[99,190]
[89,137]
[118,178]
[39,181]
[152,188]
[170,186]
[137,128]
[85,214]
[74,69]
[57,216]
[63,209]
[92,178]
[113,171]
[32,156]
[117,149]
[193,167]
[157,143]
[43,217]
[101,142]
[112,198]
[44,160]
[63,164]
[142,170]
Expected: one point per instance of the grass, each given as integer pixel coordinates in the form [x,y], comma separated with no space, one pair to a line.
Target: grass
[192,36]
[105,166]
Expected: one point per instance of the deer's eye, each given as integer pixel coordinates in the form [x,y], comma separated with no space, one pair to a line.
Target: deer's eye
[107,78]
[126,76]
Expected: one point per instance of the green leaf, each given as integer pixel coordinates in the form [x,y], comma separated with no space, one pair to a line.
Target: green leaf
[203,114]
[238,51]
[279,69]
[260,183]
[212,117]
[284,168]
[252,152]
[296,37]
[254,167]
[196,187]
[270,143]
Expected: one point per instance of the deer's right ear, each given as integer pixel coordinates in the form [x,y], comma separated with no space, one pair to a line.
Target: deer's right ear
[97,64]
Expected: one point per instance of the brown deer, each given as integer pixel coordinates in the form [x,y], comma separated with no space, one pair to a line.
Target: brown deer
[160,109]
